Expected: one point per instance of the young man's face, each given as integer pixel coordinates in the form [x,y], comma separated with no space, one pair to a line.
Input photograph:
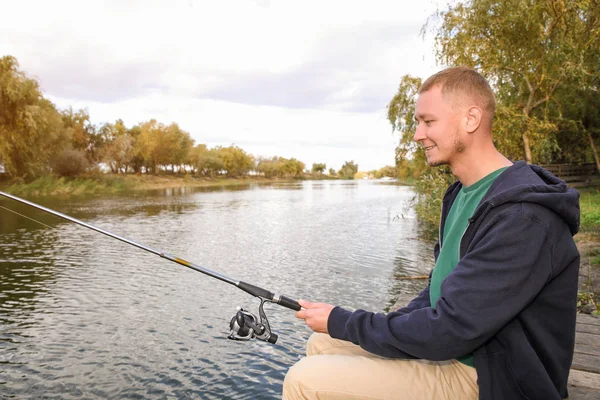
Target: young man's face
[437,128]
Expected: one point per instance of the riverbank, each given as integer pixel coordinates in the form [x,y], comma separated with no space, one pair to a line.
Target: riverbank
[113,184]
[588,239]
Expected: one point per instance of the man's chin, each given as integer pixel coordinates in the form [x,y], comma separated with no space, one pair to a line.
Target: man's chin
[436,163]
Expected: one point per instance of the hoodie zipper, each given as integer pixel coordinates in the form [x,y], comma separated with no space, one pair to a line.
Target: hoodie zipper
[440,225]
[488,206]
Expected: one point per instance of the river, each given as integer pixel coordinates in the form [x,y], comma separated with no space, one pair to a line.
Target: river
[86,316]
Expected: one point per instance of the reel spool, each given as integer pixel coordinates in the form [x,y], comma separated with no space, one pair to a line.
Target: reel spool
[245,326]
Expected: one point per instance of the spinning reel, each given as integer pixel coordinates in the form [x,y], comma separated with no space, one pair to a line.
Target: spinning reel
[245,326]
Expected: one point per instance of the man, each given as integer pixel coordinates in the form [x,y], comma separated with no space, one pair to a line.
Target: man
[497,320]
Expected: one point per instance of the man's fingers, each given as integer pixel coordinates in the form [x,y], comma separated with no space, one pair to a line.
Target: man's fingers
[304,303]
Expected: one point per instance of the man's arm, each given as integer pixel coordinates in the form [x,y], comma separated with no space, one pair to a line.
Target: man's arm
[504,271]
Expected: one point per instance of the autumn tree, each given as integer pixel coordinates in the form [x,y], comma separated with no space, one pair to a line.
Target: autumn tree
[318,168]
[182,144]
[269,167]
[30,126]
[161,146]
[119,151]
[78,127]
[236,162]
[206,162]
[280,167]
[293,168]
[410,157]
[528,50]
[348,170]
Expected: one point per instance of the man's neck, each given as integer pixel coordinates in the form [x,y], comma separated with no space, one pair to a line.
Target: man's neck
[470,169]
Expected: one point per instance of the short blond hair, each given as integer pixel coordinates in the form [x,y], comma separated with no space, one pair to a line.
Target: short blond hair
[463,81]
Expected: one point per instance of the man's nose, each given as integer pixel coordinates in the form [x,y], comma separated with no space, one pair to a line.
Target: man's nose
[419,133]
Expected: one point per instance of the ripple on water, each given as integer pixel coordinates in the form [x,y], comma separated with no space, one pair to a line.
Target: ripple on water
[85,316]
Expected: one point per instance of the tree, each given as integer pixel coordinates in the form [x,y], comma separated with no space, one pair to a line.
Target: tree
[280,167]
[235,160]
[388,171]
[119,145]
[527,49]
[293,168]
[206,162]
[348,170]
[318,168]
[161,145]
[410,157]
[267,166]
[81,133]
[30,126]
[182,144]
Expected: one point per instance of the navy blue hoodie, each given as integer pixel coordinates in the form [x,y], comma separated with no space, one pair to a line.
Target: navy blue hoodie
[511,299]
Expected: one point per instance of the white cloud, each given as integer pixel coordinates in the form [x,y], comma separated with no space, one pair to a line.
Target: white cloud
[306,79]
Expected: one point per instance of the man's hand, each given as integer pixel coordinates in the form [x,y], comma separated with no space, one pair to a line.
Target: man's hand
[315,315]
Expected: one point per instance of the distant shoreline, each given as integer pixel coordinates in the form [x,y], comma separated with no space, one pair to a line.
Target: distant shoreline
[121,183]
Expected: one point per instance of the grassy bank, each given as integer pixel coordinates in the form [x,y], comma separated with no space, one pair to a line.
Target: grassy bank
[111,184]
[590,210]
[588,243]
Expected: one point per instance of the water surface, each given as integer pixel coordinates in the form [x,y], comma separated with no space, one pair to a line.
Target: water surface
[86,316]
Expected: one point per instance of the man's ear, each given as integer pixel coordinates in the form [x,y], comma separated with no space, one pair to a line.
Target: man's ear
[473,120]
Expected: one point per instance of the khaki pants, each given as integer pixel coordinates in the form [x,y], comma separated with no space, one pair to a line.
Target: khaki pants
[336,369]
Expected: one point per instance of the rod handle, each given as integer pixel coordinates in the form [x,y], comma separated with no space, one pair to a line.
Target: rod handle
[289,303]
[255,290]
[260,292]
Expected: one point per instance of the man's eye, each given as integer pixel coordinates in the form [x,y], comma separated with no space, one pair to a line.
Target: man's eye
[427,122]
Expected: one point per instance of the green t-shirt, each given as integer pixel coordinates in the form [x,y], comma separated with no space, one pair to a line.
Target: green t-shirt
[462,209]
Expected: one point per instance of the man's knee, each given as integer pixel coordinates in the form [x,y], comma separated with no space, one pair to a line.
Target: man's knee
[315,343]
[296,380]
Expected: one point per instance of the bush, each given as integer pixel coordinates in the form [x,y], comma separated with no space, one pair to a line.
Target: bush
[69,163]
[431,188]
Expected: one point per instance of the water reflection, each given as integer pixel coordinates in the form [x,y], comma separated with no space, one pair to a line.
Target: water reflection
[83,315]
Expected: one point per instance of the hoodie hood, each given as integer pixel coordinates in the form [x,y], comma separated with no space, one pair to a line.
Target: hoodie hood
[533,184]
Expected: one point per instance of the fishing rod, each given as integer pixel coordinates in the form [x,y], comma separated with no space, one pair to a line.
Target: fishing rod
[244,325]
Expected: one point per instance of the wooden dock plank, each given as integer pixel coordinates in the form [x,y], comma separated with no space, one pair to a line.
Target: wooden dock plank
[582,393]
[588,328]
[585,362]
[590,350]
[584,378]
[587,319]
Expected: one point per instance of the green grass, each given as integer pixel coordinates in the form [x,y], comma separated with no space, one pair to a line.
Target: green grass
[54,186]
[96,184]
[590,210]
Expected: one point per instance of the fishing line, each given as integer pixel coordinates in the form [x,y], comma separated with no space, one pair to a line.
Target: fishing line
[244,325]
[25,216]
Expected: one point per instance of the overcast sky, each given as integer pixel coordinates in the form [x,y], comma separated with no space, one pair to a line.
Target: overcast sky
[304,79]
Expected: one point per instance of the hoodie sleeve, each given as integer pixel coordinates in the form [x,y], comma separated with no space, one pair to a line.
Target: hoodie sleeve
[504,270]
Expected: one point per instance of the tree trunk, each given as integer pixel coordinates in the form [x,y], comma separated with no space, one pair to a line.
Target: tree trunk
[526,148]
[595,151]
